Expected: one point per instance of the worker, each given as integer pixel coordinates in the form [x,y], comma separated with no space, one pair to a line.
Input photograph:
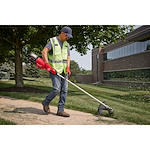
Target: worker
[56,56]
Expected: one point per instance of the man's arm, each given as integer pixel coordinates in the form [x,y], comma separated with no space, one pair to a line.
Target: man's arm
[45,58]
[44,55]
[68,61]
[68,66]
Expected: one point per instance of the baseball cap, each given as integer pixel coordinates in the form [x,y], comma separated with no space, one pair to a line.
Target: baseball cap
[68,31]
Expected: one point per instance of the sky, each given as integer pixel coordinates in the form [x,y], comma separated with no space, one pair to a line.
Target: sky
[86,60]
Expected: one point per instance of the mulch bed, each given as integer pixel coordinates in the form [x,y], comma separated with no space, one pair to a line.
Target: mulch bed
[24,89]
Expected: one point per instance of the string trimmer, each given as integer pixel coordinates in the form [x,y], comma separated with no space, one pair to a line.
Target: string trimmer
[38,61]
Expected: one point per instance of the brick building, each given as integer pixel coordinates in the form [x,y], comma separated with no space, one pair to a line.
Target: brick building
[125,59]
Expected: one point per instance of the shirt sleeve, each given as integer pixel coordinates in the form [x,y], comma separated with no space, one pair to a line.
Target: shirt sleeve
[68,50]
[49,45]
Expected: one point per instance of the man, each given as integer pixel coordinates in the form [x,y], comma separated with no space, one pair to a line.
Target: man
[56,56]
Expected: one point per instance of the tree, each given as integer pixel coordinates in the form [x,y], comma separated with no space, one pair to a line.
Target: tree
[74,68]
[84,71]
[16,42]
[32,71]
[8,67]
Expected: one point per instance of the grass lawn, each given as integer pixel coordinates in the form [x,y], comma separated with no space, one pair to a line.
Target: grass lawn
[130,105]
[6,122]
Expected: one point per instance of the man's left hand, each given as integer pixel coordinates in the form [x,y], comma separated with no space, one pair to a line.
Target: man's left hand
[68,71]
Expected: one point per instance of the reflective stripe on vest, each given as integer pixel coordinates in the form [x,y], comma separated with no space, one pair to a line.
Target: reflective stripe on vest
[58,60]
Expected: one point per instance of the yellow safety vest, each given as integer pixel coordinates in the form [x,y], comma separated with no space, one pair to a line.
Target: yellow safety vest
[58,60]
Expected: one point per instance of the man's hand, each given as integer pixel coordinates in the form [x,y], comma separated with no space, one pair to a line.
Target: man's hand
[50,69]
[68,71]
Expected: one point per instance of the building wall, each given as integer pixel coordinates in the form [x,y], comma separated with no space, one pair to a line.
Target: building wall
[139,33]
[95,52]
[132,62]
[84,78]
[137,61]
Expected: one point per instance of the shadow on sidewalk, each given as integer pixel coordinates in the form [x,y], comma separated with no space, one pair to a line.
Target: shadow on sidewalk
[29,110]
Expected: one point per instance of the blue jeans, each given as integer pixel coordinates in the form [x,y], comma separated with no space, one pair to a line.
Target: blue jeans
[59,86]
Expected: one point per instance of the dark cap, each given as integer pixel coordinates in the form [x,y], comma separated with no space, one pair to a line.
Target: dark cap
[68,31]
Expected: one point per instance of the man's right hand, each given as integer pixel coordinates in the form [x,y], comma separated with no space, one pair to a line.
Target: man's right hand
[50,69]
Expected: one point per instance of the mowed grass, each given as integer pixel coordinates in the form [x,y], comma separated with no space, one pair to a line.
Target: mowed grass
[130,105]
[6,122]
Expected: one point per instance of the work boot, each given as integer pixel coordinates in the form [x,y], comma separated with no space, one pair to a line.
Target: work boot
[63,114]
[46,108]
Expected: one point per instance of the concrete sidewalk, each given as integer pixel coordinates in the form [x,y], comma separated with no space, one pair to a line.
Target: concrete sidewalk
[30,113]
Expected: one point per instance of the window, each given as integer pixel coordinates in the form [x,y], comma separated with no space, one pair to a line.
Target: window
[125,49]
[109,56]
[138,48]
[104,56]
[134,48]
[122,52]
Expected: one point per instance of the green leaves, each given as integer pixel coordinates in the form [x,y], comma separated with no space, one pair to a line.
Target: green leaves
[8,67]
[36,36]
[97,35]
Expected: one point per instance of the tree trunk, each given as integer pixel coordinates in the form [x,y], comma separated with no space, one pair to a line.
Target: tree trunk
[18,68]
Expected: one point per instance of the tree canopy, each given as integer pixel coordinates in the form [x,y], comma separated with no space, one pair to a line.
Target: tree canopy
[17,41]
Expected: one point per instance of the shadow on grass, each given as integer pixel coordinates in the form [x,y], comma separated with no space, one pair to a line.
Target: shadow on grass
[27,89]
[5,85]
[26,79]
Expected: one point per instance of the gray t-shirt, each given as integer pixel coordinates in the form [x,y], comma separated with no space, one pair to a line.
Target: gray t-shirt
[49,46]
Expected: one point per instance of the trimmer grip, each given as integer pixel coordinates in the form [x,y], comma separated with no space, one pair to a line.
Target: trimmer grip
[33,58]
